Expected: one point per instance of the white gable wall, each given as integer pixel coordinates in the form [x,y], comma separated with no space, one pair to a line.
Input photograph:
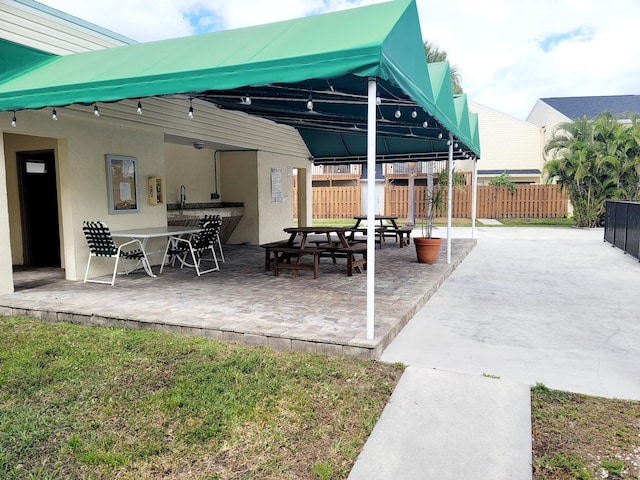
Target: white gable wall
[547,118]
[506,143]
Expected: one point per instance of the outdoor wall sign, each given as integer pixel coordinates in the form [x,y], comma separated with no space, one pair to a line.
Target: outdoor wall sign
[276,186]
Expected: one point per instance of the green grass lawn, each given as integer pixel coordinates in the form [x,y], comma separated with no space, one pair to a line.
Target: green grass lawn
[79,402]
[583,437]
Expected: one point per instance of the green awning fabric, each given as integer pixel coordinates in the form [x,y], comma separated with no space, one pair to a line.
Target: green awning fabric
[328,57]
[16,59]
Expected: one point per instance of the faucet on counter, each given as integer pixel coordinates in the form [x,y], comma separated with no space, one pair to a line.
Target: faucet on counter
[183,196]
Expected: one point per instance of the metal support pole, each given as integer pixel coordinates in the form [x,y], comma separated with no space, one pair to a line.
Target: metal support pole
[411,201]
[371,205]
[449,197]
[474,198]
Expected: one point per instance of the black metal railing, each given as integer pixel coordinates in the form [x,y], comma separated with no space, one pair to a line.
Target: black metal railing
[622,226]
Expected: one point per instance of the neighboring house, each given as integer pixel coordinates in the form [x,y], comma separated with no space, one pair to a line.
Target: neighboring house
[547,113]
[508,145]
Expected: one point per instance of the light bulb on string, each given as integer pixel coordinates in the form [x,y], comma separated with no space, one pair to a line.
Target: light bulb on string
[397,113]
[14,120]
[96,112]
[54,114]
[414,113]
[190,114]
[139,109]
[310,104]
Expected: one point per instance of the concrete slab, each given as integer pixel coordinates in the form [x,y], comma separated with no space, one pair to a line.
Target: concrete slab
[442,425]
[551,305]
[489,221]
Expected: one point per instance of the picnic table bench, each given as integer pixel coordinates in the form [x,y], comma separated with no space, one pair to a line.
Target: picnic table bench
[350,253]
[330,241]
[401,234]
[284,257]
[270,254]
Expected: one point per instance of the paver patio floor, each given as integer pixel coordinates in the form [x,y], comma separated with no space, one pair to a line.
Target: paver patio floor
[243,303]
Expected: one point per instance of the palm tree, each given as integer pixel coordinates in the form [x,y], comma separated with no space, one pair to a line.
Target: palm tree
[435,55]
[595,160]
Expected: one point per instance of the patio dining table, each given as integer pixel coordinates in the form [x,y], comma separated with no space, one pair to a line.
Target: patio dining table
[144,234]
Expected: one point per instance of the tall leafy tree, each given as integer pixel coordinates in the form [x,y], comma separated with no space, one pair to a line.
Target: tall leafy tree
[595,160]
[435,55]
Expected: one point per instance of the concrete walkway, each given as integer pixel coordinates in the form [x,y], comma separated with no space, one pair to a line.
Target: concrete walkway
[550,305]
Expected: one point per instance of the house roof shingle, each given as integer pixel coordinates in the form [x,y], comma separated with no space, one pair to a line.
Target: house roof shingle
[577,107]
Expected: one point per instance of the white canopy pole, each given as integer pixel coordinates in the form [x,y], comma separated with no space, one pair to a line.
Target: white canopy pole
[371,205]
[474,198]
[449,196]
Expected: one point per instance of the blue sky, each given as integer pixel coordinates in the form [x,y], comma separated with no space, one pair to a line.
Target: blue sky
[509,53]
[580,34]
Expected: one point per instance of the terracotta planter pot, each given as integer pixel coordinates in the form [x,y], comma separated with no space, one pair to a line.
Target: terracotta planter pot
[427,249]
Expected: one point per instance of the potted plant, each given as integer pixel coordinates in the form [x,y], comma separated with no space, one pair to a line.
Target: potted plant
[428,246]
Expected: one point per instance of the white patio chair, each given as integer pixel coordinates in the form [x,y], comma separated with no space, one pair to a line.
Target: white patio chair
[101,244]
[196,247]
[217,221]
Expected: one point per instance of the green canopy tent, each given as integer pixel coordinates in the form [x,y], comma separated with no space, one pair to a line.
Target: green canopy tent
[354,83]
[280,66]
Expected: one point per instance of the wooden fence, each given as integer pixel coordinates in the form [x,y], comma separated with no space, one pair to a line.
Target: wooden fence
[528,201]
[333,202]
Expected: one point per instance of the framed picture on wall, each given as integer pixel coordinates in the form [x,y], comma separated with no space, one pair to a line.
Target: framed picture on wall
[122,179]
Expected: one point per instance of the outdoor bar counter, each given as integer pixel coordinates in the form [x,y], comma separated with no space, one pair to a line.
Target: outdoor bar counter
[230,212]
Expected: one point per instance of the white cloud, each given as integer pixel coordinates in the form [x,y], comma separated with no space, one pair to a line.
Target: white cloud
[497,47]
[496,44]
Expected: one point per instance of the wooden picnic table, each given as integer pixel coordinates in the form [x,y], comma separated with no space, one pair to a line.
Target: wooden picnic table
[380,218]
[388,227]
[304,232]
[333,243]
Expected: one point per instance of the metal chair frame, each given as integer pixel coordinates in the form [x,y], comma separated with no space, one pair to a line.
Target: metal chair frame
[217,221]
[179,248]
[101,244]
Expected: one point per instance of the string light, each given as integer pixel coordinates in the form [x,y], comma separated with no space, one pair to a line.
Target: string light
[414,113]
[96,112]
[378,100]
[246,100]
[14,120]
[310,104]
[190,115]
[139,109]
[54,114]
[425,124]
[397,113]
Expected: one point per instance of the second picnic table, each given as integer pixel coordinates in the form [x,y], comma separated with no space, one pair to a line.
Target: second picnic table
[388,227]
